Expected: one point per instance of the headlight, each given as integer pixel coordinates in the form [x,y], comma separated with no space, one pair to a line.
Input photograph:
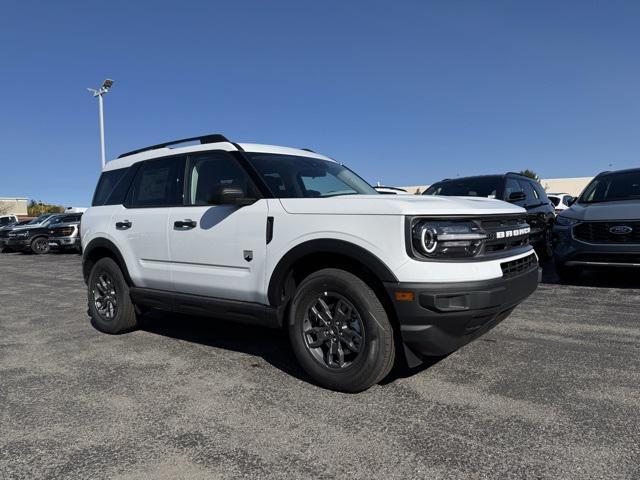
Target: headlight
[446,239]
[566,221]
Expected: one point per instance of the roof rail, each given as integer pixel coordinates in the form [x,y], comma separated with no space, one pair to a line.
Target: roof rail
[308,150]
[212,138]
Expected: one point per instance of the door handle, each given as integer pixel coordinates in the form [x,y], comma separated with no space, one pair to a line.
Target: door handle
[187,224]
[123,225]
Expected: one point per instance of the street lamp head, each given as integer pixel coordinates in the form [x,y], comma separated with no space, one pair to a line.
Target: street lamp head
[107,84]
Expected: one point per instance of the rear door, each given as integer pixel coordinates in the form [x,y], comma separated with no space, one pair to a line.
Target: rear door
[140,225]
[218,250]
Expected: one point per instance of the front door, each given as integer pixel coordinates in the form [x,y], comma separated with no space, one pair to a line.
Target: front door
[218,250]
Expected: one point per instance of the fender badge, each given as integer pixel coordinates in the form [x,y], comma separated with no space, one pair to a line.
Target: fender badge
[248,255]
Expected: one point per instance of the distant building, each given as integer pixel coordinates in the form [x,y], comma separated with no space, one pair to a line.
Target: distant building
[13,206]
[572,186]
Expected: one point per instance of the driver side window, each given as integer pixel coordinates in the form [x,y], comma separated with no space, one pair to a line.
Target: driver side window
[512,186]
[211,171]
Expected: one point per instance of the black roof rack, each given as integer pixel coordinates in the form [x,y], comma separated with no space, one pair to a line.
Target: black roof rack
[213,138]
[307,150]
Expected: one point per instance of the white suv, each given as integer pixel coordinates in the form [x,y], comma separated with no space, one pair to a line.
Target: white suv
[288,238]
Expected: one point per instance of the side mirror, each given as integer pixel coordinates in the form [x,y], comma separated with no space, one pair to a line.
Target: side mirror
[229,196]
[572,200]
[516,197]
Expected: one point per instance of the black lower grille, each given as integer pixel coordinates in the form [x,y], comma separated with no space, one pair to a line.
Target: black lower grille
[608,232]
[608,257]
[521,265]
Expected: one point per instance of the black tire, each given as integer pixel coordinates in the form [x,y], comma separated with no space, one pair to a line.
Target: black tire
[567,274]
[365,360]
[110,306]
[40,245]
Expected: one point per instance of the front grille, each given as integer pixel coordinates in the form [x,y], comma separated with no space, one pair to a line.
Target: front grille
[601,232]
[521,265]
[61,232]
[498,225]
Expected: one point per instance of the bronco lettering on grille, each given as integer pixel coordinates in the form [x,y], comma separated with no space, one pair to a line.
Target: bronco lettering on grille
[513,233]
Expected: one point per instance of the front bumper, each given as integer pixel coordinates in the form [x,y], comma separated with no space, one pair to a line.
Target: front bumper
[443,317]
[571,252]
[63,242]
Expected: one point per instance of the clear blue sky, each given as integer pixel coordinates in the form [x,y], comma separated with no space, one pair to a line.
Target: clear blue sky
[402,92]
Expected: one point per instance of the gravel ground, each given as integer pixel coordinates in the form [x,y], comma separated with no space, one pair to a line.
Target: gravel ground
[552,392]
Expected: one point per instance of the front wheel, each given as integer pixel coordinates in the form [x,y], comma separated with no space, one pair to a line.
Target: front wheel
[40,245]
[110,306]
[340,332]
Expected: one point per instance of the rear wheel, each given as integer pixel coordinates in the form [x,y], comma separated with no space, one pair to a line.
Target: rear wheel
[40,245]
[340,332]
[110,305]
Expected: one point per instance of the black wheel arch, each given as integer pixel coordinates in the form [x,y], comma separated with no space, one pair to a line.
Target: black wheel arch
[100,248]
[323,252]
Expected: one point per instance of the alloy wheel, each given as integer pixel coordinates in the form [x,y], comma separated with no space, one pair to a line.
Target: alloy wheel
[41,245]
[333,330]
[104,296]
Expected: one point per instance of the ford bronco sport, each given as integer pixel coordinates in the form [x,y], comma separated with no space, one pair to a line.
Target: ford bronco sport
[291,239]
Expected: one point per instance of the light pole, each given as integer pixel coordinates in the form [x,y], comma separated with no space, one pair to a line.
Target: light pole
[106,85]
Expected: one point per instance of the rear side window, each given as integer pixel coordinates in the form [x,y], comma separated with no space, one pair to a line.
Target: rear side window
[108,180]
[156,183]
[542,195]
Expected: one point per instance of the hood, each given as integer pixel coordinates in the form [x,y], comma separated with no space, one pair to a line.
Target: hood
[27,227]
[621,210]
[398,205]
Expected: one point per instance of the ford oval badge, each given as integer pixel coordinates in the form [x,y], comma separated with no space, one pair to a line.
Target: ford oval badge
[621,229]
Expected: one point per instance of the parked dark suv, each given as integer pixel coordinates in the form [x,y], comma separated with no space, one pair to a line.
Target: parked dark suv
[601,229]
[513,188]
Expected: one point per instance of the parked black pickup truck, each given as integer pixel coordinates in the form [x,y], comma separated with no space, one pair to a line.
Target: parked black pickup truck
[35,237]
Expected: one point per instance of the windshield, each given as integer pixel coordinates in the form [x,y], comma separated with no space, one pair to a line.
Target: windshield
[39,219]
[488,186]
[612,187]
[289,176]
[54,220]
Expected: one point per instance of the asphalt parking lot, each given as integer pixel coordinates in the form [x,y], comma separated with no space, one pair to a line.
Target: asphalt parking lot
[552,392]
